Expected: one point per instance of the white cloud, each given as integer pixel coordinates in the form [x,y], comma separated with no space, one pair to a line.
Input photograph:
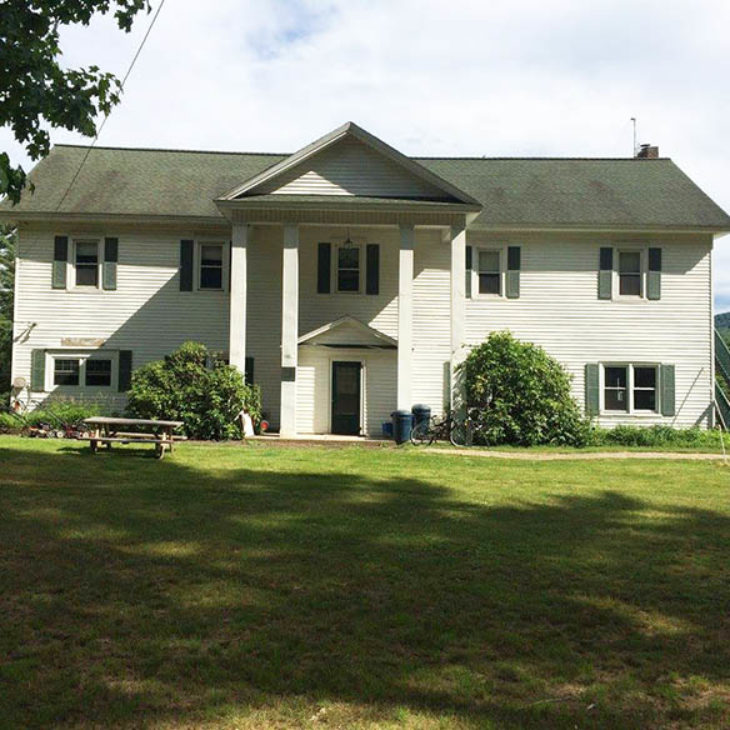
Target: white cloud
[517,77]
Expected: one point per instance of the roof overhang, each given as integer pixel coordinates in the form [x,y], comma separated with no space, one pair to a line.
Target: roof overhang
[362,336]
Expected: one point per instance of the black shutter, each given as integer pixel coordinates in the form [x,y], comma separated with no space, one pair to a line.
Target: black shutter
[109,267]
[186,265]
[248,371]
[60,257]
[513,272]
[372,285]
[467,288]
[654,275]
[125,370]
[324,268]
[605,273]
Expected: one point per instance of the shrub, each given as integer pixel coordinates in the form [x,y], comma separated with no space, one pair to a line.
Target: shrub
[191,386]
[520,395]
[654,436]
[54,413]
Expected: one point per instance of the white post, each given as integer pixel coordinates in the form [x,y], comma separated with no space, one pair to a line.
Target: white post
[405,318]
[289,330]
[458,309]
[239,281]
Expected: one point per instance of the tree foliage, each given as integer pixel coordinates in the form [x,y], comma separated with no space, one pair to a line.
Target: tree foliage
[191,386]
[520,395]
[35,91]
[7,285]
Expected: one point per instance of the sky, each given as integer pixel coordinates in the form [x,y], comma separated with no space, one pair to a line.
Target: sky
[503,78]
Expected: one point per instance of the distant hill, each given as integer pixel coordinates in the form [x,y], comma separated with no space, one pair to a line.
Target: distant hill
[722,321]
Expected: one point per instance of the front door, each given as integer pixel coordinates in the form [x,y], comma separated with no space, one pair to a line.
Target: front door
[346,398]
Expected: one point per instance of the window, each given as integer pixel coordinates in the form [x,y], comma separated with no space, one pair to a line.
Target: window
[490,274]
[87,263]
[211,266]
[629,273]
[348,269]
[98,372]
[66,372]
[630,388]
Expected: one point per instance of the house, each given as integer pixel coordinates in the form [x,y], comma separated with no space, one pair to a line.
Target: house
[348,280]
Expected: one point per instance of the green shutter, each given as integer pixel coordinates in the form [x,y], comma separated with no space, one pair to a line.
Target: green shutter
[372,274]
[186,265]
[125,370]
[324,268]
[109,267]
[654,275]
[668,390]
[38,371]
[513,272]
[605,273]
[60,257]
[592,389]
[469,259]
[248,371]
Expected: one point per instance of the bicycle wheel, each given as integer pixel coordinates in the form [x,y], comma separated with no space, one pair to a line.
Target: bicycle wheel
[457,434]
[420,435]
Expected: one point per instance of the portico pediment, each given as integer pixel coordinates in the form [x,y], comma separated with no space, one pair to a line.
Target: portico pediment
[348,332]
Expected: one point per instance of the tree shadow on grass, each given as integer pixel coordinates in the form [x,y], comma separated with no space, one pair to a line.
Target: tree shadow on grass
[137,593]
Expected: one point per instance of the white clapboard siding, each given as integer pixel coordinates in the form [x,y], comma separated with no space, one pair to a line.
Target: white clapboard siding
[351,168]
[314,387]
[147,313]
[559,309]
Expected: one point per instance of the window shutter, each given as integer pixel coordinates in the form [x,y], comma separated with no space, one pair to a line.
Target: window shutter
[125,370]
[668,390]
[467,287]
[109,268]
[592,389]
[605,274]
[38,370]
[654,275]
[186,265]
[248,368]
[60,257]
[324,268]
[230,263]
[372,285]
[513,272]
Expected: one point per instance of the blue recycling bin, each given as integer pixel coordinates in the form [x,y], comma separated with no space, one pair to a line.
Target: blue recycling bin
[402,425]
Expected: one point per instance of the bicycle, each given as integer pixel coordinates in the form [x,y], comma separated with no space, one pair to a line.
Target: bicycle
[453,427]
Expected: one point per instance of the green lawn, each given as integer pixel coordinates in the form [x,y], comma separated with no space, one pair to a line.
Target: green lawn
[257,587]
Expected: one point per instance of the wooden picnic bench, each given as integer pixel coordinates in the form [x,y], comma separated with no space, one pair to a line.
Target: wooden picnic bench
[107,430]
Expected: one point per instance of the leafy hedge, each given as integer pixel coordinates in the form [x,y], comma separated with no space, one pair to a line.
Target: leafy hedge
[190,385]
[520,395]
[54,413]
[654,436]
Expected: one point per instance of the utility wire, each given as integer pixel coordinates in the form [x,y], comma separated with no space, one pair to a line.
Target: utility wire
[106,116]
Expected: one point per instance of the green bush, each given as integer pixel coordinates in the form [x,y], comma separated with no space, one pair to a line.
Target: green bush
[654,436]
[520,395]
[191,386]
[54,413]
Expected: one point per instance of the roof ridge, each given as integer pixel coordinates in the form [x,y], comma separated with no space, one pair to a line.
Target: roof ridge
[550,159]
[170,149]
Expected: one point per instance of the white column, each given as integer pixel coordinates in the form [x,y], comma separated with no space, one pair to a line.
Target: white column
[239,283]
[289,330]
[458,309]
[405,318]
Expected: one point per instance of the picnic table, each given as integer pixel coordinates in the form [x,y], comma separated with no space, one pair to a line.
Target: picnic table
[107,430]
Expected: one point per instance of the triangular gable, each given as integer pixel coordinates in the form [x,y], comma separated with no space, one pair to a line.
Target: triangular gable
[348,332]
[351,162]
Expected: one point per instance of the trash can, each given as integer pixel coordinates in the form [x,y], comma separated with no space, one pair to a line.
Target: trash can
[421,414]
[402,425]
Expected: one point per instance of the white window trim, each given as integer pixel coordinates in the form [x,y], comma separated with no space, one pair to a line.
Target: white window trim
[197,262]
[335,269]
[82,356]
[630,411]
[500,248]
[643,250]
[71,264]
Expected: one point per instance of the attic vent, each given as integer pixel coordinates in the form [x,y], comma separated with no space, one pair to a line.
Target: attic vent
[648,152]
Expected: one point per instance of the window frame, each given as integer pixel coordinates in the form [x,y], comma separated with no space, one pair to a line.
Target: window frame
[631,409]
[71,276]
[642,248]
[82,356]
[500,249]
[334,281]
[198,263]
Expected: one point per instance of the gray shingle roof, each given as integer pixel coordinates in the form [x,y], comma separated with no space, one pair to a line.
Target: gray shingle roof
[514,192]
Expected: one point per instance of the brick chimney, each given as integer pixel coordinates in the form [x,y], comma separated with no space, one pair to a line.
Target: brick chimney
[648,152]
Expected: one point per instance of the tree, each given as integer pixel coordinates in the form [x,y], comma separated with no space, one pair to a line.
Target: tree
[7,283]
[35,92]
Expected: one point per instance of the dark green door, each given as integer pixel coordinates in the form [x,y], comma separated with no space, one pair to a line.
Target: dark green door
[346,398]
